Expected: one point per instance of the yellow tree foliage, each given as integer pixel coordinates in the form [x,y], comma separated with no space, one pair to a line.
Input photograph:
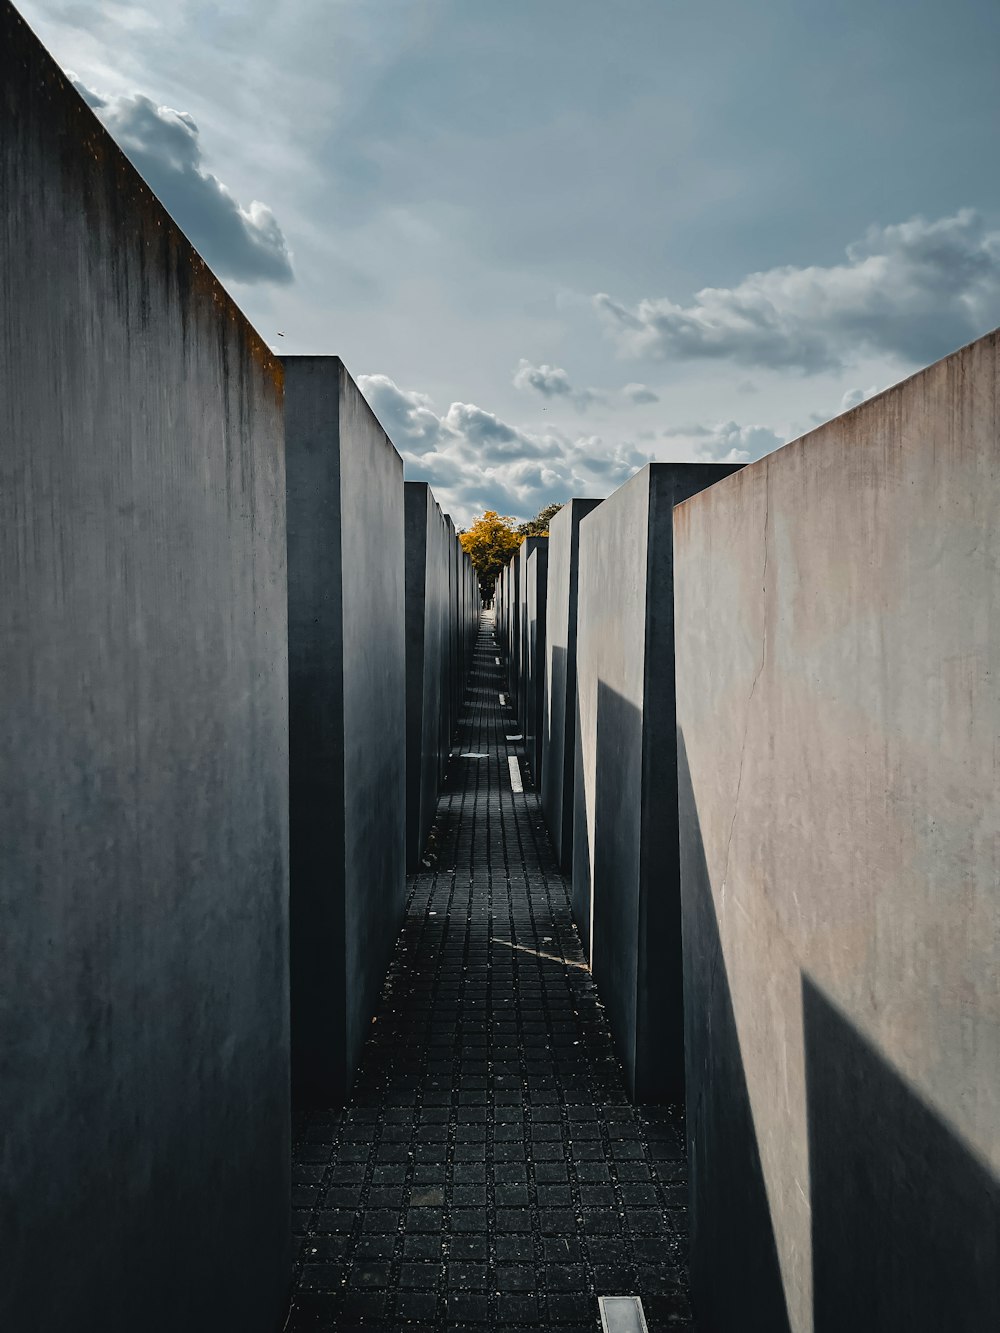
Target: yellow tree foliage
[489,543]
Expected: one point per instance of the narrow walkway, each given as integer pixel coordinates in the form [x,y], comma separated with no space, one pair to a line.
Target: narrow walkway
[489,1172]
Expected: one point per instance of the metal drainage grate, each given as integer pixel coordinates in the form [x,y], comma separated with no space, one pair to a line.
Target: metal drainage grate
[622,1314]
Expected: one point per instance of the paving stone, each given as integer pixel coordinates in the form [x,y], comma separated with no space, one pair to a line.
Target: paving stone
[489,1172]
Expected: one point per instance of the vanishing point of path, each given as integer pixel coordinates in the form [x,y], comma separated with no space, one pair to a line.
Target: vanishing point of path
[489,1172]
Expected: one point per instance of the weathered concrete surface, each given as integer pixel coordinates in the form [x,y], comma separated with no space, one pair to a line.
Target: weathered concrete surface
[518,684]
[465,606]
[347,724]
[626,891]
[470,606]
[838,635]
[512,625]
[442,620]
[536,567]
[559,709]
[453,668]
[143,752]
[502,612]
[436,615]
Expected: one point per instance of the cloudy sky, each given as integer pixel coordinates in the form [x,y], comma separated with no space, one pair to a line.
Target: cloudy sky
[553,239]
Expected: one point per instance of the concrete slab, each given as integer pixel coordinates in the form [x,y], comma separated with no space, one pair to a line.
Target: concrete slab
[347,699]
[429,614]
[143,752]
[559,710]
[626,890]
[838,634]
[536,587]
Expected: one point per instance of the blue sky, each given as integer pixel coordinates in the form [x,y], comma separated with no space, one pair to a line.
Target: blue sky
[555,239]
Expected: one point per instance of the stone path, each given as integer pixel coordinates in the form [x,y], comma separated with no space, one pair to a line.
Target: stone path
[489,1172]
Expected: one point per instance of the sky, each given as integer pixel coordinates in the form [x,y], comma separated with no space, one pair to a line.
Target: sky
[555,239]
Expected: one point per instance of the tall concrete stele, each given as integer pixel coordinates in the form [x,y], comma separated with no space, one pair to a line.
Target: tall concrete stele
[442,620]
[559,691]
[534,575]
[428,689]
[838,704]
[144,1178]
[347,717]
[626,875]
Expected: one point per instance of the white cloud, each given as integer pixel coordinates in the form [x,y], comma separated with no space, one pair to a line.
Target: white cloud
[853,397]
[549,381]
[407,417]
[915,290]
[474,460]
[726,442]
[552,382]
[246,244]
[640,393]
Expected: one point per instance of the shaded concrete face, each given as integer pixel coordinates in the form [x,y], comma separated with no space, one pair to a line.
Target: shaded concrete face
[143,820]
[464,607]
[435,614]
[838,630]
[559,708]
[347,724]
[418,535]
[519,683]
[625,886]
[512,623]
[453,669]
[536,566]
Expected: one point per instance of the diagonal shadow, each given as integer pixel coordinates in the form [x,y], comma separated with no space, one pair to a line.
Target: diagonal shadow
[905,1221]
[735,1274]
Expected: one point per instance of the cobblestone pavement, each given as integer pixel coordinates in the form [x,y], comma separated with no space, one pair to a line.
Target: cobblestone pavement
[489,1172]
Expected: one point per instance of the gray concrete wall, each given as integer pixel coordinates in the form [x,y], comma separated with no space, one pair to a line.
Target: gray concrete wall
[519,684]
[470,611]
[838,637]
[143,752]
[444,543]
[521,655]
[512,626]
[625,888]
[418,535]
[347,725]
[536,588]
[429,625]
[559,707]
[455,683]
[501,613]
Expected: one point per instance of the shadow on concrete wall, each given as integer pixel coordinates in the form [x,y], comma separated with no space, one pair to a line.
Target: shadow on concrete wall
[558,758]
[615,945]
[735,1274]
[905,1222]
[581,855]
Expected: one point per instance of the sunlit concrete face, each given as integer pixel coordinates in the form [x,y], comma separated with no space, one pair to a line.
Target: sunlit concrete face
[625,884]
[838,635]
